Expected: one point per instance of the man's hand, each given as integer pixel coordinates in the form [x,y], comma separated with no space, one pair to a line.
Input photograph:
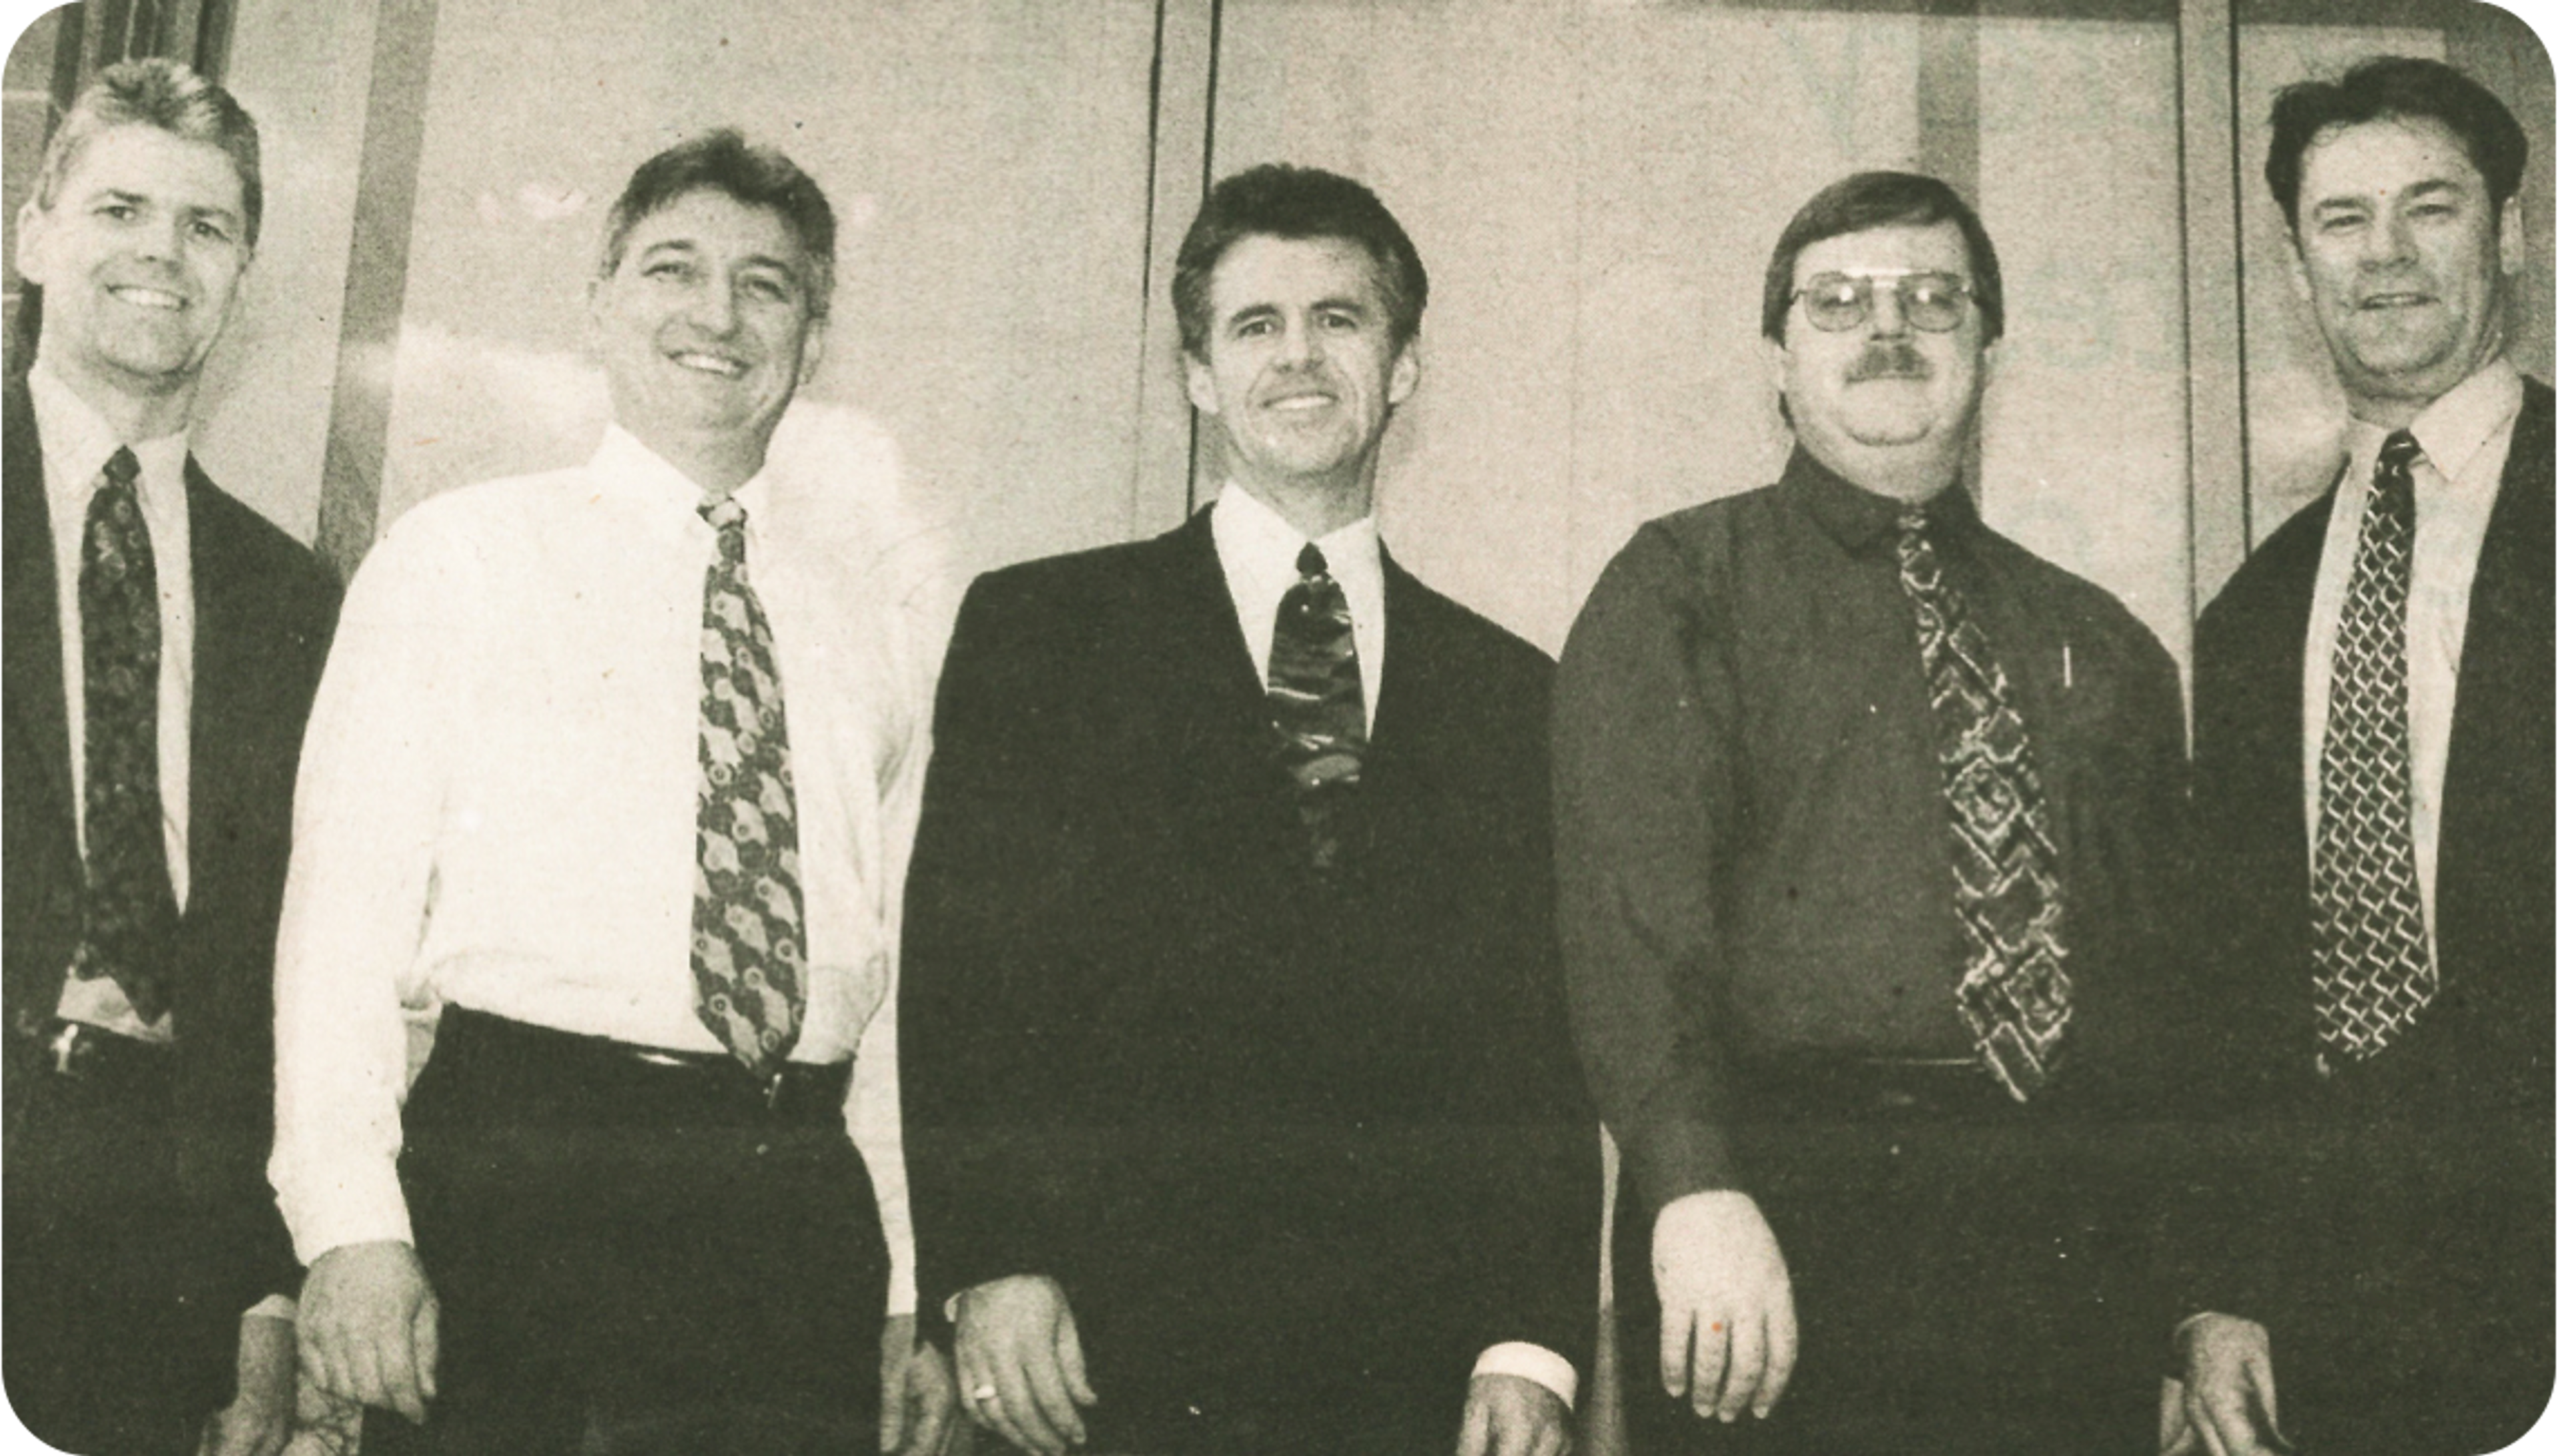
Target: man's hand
[369,1327]
[1727,1306]
[1512,1415]
[916,1393]
[259,1419]
[1020,1363]
[2229,1405]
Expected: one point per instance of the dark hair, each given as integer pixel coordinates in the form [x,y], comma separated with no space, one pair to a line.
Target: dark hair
[1279,201]
[2396,87]
[1871,200]
[158,91]
[724,161]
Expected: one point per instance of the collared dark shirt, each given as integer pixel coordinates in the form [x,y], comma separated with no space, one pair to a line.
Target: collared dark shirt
[1751,820]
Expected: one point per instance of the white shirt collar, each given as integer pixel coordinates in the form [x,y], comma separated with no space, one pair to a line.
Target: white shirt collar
[1257,550]
[625,467]
[2453,428]
[78,442]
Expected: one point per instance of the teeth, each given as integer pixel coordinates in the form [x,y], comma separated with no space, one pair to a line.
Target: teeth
[1302,402]
[711,364]
[150,298]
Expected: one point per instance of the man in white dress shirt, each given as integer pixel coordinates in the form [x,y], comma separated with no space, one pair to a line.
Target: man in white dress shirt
[614,772]
[2372,756]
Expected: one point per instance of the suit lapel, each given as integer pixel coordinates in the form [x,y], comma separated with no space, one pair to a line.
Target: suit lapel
[225,674]
[31,639]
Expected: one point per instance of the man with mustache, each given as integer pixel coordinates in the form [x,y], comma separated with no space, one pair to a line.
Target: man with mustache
[163,640]
[1243,1117]
[1865,819]
[2372,755]
[610,778]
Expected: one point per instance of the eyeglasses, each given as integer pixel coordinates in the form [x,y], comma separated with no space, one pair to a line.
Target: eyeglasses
[1838,301]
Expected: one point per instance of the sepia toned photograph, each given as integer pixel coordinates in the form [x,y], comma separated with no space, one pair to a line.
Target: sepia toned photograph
[1277,727]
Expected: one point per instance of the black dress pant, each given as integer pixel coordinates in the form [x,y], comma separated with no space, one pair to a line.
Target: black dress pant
[107,1335]
[635,1256]
[1966,1276]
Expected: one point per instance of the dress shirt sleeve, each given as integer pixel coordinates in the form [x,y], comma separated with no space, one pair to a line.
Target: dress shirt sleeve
[1644,744]
[359,891]
[876,1116]
[1533,1363]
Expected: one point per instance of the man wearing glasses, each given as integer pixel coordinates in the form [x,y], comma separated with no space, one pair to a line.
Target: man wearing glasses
[1863,822]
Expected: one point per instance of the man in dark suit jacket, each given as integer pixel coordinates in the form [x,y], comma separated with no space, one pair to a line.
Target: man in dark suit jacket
[2378,855]
[162,645]
[1242,1107]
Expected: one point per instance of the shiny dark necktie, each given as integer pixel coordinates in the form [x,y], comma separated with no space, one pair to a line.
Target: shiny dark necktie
[129,911]
[2014,988]
[749,941]
[1318,711]
[2374,972]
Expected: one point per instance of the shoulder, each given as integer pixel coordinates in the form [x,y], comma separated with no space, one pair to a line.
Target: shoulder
[1451,631]
[1069,594]
[2081,608]
[235,542]
[487,523]
[2274,583]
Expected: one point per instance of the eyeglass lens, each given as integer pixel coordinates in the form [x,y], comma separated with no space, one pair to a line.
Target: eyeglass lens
[1931,301]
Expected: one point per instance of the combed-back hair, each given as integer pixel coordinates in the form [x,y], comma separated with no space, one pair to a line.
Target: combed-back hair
[754,176]
[1870,200]
[1277,199]
[157,92]
[2396,88]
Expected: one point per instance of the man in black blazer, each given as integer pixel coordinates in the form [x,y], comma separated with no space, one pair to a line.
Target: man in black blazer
[2377,850]
[162,643]
[1241,1109]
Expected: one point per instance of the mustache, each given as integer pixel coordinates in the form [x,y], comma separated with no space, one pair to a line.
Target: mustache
[1890,359]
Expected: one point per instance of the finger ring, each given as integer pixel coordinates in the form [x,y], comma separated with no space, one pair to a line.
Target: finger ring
[982,1393]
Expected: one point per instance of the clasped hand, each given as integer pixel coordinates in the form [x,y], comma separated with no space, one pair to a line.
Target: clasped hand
[1727,1306]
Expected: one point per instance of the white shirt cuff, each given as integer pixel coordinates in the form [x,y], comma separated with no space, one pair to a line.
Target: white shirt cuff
[274,1307]
[1533,1363]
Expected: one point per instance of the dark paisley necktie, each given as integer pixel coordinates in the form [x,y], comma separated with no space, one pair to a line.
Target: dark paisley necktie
[2014,988]
[2373,969]
[749,941]
[1318,712]
[129,911]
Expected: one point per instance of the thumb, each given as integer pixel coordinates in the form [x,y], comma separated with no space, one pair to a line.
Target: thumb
[1069,1359]
[424,1342]
[1475,1438]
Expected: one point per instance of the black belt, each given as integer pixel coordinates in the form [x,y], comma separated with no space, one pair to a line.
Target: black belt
[485,1067]
[77,1051]
[1872,1089]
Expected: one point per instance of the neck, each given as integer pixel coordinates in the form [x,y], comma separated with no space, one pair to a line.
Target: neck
[1314,507]
[134,408]
[1913,475]
[718,461]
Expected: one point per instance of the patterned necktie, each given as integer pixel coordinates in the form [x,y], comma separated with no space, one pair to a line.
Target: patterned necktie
[1318,713]
[128,912]
[2375,973]
[750,972]
[2015,990]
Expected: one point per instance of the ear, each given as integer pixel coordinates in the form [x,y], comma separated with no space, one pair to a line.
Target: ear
[1405,375]
[1201,381]
[33,229]
[812,353]
[2298,267]
[2511,241]
[1772,356]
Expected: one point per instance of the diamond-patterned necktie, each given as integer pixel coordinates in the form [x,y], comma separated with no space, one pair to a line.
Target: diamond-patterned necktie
[2374,972]
[1318,711]
[2015,988]
[750,972]
[128,912]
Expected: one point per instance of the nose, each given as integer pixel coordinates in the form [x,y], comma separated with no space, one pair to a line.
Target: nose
[1300,345]
[2389,241]
[714,305]
[157,237]
[1884,314]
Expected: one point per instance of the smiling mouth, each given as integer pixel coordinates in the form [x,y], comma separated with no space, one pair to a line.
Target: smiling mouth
[2395,300]
[1302,402]
[149,298]
[709,364]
